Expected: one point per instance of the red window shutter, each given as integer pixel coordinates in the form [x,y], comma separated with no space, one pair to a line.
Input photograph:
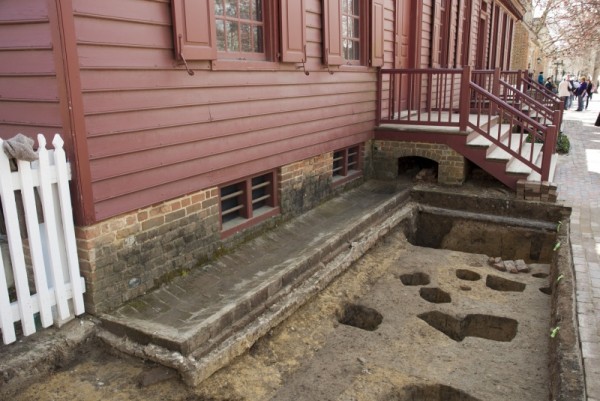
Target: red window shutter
[293,28]
[194,29]
[377,10]
[332,32]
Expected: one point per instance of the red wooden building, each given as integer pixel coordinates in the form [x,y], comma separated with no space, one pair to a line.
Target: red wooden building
[188,122]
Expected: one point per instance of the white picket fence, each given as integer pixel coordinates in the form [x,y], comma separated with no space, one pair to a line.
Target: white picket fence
[47,286]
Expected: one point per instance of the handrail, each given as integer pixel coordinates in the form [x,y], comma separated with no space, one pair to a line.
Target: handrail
[540,110]
[519,124]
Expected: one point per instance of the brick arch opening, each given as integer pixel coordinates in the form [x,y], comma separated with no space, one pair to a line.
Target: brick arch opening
[418,168]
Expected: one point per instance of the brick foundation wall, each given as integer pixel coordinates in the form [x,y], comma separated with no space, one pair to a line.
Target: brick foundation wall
[304,184]
[125,256]
[452,166]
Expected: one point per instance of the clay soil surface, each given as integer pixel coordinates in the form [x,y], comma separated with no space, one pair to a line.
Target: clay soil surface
[404,323]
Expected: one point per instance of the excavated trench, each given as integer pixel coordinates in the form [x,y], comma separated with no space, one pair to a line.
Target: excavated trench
[466,299]
[485,284]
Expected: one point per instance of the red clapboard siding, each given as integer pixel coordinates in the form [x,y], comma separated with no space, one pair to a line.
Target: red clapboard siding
[25,62]
[119,101]
[190,184]
[136,141]
[155,133]
[122,185]
[25,35]
[146,119]
[28,87]
[128,10]
[157,157]
[19,10]
[124,33]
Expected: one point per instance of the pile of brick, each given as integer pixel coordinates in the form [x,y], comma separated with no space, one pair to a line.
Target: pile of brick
[511,266]
[538,191]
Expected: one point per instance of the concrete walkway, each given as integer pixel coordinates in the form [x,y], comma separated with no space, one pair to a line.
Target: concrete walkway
[578,179]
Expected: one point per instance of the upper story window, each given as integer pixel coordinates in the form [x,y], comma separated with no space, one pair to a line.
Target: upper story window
[353,32]
[240,28]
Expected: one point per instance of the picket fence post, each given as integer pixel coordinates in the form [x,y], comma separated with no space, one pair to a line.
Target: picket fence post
[51,243]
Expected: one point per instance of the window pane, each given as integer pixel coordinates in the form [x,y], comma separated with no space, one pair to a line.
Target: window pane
[258,39]
[353,6]
[232,8]
[355,51]
[355,28]
[233,43]
[345,6]
[246,37]
[221,35]
[245,9]
[239,26]
[257,14]
[219,7]
[344,26]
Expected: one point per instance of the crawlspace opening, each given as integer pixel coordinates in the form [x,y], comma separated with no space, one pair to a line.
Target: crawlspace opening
[488,237]
[418,169]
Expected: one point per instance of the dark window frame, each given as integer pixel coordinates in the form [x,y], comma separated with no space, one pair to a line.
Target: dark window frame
[247,202]
[262,22]
[347,164]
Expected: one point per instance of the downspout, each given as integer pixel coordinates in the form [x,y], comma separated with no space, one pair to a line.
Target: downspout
[66,62]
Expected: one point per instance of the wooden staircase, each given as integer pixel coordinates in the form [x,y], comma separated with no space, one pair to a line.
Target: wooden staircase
[501,164]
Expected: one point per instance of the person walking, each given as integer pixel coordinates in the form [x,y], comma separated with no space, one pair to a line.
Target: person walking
[581,93]
[563,91]
[541,78]
[589,90]
[549,84]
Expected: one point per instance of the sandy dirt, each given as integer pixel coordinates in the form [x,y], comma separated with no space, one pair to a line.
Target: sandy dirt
[405,356]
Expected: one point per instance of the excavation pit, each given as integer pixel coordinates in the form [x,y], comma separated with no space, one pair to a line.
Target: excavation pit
[468,275]
[361,317]
[415,279]
[429,392]
[490,327]
[504,236]
[502,284]
[435,295]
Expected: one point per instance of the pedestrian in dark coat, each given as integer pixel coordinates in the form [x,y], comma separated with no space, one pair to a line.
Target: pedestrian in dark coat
[581,93]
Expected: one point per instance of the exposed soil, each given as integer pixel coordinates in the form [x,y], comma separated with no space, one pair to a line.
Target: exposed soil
[404,323]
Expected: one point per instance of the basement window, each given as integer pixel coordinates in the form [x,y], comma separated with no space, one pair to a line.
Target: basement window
[247,202]
[346,164]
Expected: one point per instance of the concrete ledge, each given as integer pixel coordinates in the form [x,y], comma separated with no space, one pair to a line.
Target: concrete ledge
[199,365]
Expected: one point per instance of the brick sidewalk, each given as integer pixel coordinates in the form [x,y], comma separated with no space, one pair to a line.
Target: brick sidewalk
[578,179]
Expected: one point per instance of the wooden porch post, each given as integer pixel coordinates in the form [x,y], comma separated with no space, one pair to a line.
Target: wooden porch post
[549,147]
[496,89]
[558,114]
[465,96]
